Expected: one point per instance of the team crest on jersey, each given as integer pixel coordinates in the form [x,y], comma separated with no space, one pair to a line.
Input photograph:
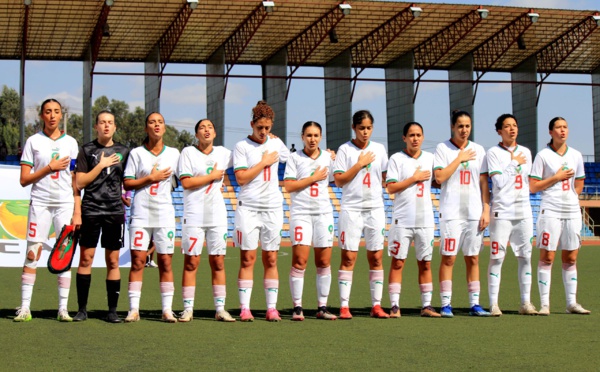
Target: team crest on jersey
[330,228]
[170,234]
[431,244]
[383,231]
[565,166]
[120,156]
[465,164]
[225,237]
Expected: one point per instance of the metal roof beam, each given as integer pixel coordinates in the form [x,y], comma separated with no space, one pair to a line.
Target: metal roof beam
[238,41]
[367,49]
[168,41]
[98,33]
[303,45]
[491,50]
[551,56]
[429,52]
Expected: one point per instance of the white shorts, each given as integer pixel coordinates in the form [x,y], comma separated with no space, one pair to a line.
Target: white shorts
[400,239]
[41,218]
[250,225]
[518,232]
[163,237]
[460,234]
[316,229]
[352,224]
[554,233]
[192,240]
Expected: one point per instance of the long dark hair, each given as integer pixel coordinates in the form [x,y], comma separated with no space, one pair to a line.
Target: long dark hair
[311,124]
[147,139]
[551,126]
[42,109]
[457,114]
[410,124]
[198,124]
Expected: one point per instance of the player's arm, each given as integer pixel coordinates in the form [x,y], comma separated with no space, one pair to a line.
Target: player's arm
[484,221]
[537,185]
[76,219]
[579,185]
[55,165]
[364,159]
[156,175]
[245,176]
[84,179]
[443,174]
[319,174]
[419,176]
[192,183]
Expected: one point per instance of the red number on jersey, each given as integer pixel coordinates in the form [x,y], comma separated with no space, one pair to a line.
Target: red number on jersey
[193,240]
[137,242]
[395,248]
[54,176]
[465,177]
[518,182]
[154,189]
[267,174]
[238,234]
[495,247]
[545,239]
[449,245]
[32,229]
[367,180]
[298,234]
[314,190]
[420,189]
[566,185]
[343,237]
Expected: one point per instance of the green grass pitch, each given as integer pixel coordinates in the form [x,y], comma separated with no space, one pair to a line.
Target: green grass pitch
[511,342]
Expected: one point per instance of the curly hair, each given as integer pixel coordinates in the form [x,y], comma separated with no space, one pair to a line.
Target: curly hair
[262,110]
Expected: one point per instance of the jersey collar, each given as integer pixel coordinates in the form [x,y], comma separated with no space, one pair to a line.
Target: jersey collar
[506,148]
[458,147]
[553,150]
[161,151]
[410,156]
[308,156]
[352,142]
[62,134]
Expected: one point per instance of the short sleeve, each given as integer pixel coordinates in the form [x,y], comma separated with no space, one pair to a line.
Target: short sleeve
[340,165]
[384,161]
[439,158]
[131,167]
[184,166]
[537,169]
[291,172]
[393,170]
[27,157]
[580,171]
[492,163]
[284,152]
[484,162]
[240,160]
[82,165]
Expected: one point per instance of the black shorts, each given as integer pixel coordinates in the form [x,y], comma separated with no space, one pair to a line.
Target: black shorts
[112,227]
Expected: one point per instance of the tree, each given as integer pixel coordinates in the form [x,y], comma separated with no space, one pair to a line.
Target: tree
[10,112]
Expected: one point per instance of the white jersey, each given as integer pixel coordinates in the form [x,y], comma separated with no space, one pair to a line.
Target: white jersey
[413,206]
[263,191]
[204,206]
[460,198]
[315,198]
[54,189]
[559,200]
[365,191]
[510,183]
[152,205]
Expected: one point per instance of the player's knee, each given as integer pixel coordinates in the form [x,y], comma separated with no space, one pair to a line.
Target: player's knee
[86,260]
[112,265]
[34,250]
[218,264]
[397,264]
[270,261]
[322,262]
[247,261]
[299,263]
[448,261]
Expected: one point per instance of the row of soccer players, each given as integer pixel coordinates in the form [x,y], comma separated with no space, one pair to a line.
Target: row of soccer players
[360,167]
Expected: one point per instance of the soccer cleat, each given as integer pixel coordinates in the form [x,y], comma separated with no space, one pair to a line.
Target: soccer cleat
[169,317]
[63,316]
[544,311]
[477,310]
[377,312]
[345,313]
[186,315]
[273,315]
[322,313]
[297,314]
[429,312]
[495,310]
[577,309]
[80,316]
[151,263]
[527,309]
[246,315]
[224,316]
[133,316]
[395,312]
[446,312]
[112,317]
[23,315]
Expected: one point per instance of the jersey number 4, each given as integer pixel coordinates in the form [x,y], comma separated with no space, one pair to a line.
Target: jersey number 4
[367,180]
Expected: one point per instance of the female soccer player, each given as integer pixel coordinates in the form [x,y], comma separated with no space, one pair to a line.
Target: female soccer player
[201,169]
[511,221]
[100,168]
[47,164]
[460,167]
[359,168]
[311,217]
[149,171]
[559,174]
[259,214]
[409,177]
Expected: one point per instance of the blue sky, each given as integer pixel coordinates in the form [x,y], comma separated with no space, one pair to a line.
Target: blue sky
[183,99]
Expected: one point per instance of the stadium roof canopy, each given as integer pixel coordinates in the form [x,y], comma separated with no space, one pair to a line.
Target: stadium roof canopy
[129,30]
